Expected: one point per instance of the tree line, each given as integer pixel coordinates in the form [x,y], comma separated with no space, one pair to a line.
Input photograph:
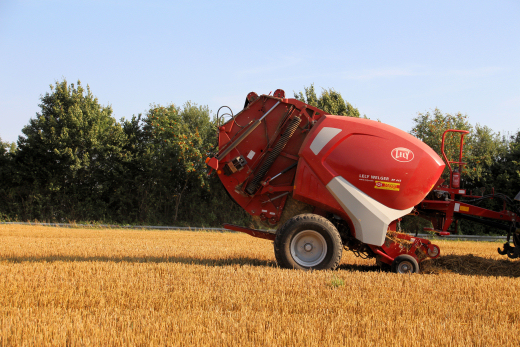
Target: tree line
[76,162]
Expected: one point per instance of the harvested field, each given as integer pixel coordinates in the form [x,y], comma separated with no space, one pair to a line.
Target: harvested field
[126,287]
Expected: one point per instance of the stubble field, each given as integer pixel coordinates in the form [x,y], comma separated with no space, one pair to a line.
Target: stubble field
[83,287]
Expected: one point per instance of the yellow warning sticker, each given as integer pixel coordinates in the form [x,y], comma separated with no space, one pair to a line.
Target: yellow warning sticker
[464,208]
[387,185]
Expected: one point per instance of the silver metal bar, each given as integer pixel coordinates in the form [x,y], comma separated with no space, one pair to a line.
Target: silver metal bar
[272,108]
[283,171]
[276,197]
[245,134]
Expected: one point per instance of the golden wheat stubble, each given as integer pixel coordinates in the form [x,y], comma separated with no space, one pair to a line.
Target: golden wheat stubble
[126,287]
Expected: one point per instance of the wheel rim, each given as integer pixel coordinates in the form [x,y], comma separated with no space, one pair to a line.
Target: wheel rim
[308,248]
[405,267]
[433,252]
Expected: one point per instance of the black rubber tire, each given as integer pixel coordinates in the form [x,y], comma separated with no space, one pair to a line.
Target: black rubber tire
[308,223]
[405,262]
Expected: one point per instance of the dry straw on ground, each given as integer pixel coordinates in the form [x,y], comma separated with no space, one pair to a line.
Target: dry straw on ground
[124,287]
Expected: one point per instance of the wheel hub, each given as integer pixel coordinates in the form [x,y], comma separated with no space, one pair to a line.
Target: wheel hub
[405,267]
[433,252]
[308,248]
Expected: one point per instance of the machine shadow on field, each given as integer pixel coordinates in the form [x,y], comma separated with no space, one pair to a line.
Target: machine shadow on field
[181,260]
[360,268]
[145,259]
[468,265]
[471,265]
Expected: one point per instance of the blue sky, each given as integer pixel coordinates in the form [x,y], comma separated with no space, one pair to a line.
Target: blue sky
[389,59]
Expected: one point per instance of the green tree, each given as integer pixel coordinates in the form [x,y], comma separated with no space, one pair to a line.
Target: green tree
[505,172]
[7,147]
[6,175]
[69,155]
[76,162]
[486,148]
[430,127]
[482,147]
[177,150]
[4,148]
[168,146]
[485,153]
[329,101]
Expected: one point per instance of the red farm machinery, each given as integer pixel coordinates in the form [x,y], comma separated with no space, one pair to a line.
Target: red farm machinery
[328,183]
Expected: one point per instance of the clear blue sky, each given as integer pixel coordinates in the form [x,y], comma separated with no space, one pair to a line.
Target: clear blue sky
[391,59]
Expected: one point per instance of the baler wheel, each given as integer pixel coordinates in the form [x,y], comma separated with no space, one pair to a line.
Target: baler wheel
[405,264]
[308,241]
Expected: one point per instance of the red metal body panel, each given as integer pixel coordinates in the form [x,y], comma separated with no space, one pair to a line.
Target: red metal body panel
[387,164]
[417,247]
[268,202]
[449,208]
[364,154]
[276,148]
[310,189]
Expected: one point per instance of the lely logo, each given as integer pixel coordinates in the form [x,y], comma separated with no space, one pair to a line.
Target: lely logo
[402,154]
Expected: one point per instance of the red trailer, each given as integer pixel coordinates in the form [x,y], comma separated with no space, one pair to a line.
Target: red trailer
[447,203]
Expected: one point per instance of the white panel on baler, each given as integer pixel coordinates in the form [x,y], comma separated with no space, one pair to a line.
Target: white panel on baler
[370,217]
[324,136]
